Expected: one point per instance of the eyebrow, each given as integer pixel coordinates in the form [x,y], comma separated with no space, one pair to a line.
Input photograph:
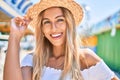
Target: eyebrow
[55,17]
[59,16]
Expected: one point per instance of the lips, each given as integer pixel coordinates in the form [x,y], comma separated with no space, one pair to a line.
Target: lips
[58,35]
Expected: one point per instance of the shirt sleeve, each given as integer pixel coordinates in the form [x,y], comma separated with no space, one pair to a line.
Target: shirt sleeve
[27,60]
[101,72]
[104,71]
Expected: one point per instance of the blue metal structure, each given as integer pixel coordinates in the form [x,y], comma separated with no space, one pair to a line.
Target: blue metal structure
[18,6]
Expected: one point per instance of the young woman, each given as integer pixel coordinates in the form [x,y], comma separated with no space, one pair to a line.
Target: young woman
[57,54]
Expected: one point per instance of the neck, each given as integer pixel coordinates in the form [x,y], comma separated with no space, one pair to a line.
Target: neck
[58,51]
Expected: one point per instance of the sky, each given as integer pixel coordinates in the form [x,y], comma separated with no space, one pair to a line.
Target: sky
[99,9]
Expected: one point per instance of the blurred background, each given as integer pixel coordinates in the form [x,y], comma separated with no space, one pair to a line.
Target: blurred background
[99,30]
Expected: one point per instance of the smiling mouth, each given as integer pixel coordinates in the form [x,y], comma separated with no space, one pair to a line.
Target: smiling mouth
[56,35]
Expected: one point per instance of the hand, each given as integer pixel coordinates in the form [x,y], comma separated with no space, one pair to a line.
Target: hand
[19,25]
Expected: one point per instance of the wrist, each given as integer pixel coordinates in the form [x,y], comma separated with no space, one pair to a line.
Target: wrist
[15,37]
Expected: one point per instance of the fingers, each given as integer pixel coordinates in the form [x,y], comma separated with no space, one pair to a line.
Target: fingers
[27,19]
[19,26]
[20,21]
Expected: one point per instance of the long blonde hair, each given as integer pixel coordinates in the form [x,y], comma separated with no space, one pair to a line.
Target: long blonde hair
[44,48]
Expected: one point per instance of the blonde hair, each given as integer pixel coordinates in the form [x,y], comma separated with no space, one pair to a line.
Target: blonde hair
[44,48]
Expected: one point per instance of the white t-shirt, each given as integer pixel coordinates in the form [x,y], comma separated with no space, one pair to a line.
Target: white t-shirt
[98,72]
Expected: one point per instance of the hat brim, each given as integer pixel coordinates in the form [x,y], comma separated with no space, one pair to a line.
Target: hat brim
[72,6]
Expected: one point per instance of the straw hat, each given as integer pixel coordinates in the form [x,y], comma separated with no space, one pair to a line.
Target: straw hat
[71,5]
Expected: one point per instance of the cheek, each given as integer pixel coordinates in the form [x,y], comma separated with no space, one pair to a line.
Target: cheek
[45,31]
[64,27]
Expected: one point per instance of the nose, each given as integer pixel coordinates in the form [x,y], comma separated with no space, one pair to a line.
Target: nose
[54,27]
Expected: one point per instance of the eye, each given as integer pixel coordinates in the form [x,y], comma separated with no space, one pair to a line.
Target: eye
[46,22]
[60,20]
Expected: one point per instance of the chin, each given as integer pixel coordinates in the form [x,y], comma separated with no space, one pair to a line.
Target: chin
[58,44]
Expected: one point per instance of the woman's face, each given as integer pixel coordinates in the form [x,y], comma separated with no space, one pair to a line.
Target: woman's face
[54,26]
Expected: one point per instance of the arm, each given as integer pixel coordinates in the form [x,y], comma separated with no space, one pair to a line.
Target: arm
[12,70]
[92,59]
[27,73]
[115,78]
[27,67]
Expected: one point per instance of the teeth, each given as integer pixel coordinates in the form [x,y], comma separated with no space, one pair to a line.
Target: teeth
[56,35]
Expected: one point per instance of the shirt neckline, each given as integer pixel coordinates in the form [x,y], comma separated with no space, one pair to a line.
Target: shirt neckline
[60,70]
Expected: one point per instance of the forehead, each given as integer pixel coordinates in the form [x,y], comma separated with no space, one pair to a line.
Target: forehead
[53,11]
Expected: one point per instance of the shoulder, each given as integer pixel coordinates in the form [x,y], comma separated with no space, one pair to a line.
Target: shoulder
[88,57]
[27,60]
